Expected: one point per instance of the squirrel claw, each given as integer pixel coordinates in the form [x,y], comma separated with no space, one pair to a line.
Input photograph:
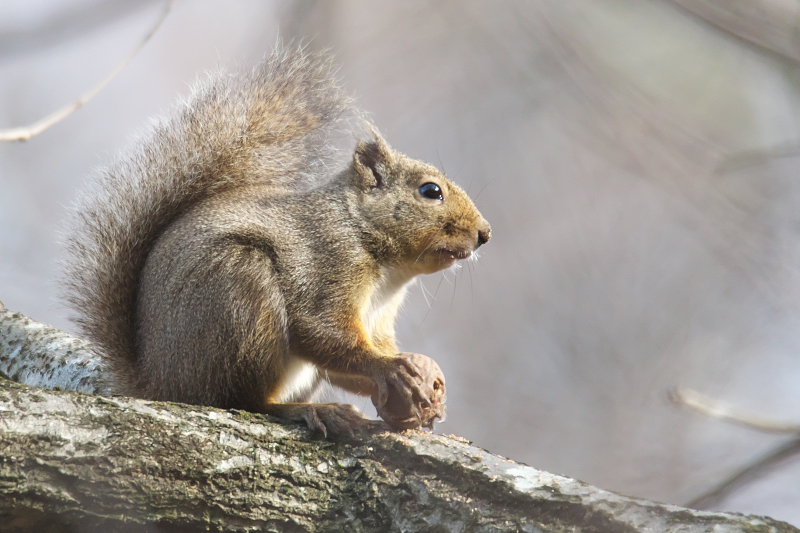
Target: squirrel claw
[401,378]
[338,418]
[313,421]
[410,367]
[382,394]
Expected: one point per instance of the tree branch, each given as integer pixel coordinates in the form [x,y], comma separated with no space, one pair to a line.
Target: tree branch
[24,133]
[38,355]
[751,471]
[63,23]
[71,461]
[767,463]
[716,409]
[78,462]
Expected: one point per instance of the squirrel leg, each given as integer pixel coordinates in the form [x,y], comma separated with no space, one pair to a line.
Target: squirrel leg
[344,347]
[352,383]
[403,409]
[366,363]
[396,377]
[406,385]
[409,394]
[336,418]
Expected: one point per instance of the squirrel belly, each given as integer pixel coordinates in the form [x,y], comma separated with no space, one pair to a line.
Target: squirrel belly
[222,263]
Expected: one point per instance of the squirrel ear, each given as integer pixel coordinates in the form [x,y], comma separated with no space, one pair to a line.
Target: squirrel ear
[371,161]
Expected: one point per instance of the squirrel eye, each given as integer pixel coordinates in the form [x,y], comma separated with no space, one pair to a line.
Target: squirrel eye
[431,191]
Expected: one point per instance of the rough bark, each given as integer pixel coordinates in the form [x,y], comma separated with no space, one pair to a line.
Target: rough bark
[39,355]
[72,461]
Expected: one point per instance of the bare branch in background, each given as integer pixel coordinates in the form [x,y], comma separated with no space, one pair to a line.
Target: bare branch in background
[26,132]
[751,472]
[755,469]
[716,409]
[64,23]
[772,24]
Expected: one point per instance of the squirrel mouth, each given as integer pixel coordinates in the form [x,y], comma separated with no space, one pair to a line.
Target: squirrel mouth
[453,254]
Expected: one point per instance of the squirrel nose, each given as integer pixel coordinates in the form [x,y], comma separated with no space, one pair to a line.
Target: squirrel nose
[484,235]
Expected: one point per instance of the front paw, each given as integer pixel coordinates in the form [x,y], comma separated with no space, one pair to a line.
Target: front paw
[412,393]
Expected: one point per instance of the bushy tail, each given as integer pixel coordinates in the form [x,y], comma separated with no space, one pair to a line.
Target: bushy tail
[270,125]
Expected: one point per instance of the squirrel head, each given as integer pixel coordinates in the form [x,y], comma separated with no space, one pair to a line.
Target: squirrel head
[417,218]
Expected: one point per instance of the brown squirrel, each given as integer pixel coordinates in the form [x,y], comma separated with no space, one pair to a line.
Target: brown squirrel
[223,263]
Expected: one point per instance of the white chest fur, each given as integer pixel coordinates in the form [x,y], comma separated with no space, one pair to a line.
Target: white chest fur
[300,378]
[383,302]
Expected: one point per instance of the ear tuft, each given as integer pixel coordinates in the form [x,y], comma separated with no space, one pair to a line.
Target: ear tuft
[371,160]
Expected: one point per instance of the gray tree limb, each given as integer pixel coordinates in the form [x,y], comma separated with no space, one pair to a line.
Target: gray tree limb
[72,461]
[39,355]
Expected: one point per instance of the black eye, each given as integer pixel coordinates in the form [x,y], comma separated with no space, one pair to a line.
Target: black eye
[431,191]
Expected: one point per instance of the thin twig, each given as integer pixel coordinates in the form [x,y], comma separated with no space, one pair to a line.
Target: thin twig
[61,26]
[745,475]
[716,409]
[26,132]
[750,472]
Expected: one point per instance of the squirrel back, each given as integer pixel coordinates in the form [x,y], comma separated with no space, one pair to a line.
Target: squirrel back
[268,126]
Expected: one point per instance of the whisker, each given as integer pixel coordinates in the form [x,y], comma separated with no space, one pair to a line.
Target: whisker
[471,287]
[412,230]
[470,184]
[429,244]
[483,189]
[455,286]
[457,172]
[444,276]
[434,296]
[424,295]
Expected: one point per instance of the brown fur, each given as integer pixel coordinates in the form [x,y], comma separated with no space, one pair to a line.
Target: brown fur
[223,264]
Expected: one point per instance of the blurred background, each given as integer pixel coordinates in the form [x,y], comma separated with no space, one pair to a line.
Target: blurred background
[638,161]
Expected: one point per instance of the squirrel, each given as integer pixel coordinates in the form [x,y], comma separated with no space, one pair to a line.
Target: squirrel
[223,262]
